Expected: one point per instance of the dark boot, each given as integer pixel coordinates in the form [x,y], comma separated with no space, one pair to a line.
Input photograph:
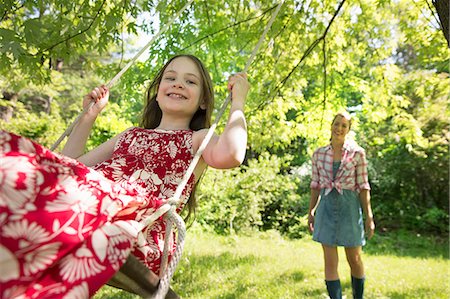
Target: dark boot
[334,289]
[358,287]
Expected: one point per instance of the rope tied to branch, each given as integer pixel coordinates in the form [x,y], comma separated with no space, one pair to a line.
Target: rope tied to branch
[119,74]
[171,216]
[168,210]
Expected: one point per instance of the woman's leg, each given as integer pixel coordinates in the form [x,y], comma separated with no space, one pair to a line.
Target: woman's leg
[357,270]
[331,260]
[355,261]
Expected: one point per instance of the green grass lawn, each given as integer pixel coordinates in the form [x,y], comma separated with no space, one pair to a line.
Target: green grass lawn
[265,265]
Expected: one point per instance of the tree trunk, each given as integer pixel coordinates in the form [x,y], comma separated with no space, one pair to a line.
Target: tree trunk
[443,11]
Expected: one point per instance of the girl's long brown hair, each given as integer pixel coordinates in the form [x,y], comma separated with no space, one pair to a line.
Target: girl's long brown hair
[152,114]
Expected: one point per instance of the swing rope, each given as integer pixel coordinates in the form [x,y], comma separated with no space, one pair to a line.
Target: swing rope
[168,210]
[119,74]
[171,216]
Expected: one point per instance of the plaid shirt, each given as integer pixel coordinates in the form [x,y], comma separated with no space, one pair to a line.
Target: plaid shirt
[351,175]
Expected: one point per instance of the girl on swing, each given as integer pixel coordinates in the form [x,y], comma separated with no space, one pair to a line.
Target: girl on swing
[67,225]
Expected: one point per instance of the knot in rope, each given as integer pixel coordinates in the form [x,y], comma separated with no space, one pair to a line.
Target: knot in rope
[173,201]
[171,216]
[167,270]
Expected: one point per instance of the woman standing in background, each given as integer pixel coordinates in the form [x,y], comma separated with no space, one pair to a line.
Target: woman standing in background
[340,192]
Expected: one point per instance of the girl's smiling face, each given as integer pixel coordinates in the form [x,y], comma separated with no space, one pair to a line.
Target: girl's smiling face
[180,88]
[340,128]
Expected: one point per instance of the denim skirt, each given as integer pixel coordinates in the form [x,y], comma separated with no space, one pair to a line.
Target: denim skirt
[338,219]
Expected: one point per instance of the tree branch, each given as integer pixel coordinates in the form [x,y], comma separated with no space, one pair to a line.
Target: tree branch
[311,47]
[443,11]
[432,13]
[324,102]
[13,9]
[307,52]
[228,27]
[205,3]
[74,35]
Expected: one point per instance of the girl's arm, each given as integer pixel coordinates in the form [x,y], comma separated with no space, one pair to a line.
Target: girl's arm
[99,154]
[76,142]
[364,198]
[228,149]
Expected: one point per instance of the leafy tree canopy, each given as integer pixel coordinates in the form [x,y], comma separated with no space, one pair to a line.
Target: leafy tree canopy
[385,61]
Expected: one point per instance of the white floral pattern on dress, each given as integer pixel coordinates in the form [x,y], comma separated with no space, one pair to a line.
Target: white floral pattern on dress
[38,260]
[80,265]
[18,180]
[66,228]
[157,161]
[80,291]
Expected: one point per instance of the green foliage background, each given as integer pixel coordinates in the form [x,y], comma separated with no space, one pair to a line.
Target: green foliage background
[386,62]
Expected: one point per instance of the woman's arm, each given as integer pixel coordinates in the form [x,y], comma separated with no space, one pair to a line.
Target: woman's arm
[76,142]
[364,198]
[228,149]
[315,191]
[362,182]
[312,207]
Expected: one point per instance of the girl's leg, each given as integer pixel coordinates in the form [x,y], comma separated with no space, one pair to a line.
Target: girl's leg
[331,260]
[357,270]
[59,233]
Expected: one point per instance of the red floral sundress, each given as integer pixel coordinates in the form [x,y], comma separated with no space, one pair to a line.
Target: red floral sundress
[65,228]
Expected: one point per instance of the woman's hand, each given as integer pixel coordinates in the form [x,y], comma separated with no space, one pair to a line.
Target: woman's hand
[370,227]
[311,222]
[238,86]
[99,96]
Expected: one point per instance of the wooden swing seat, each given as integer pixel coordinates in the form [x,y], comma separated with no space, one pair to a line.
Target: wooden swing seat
[136,278]
[133,276]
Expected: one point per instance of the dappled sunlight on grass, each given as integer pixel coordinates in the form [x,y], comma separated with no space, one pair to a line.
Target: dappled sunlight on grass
[265,265]
[108,292]
[401,243]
